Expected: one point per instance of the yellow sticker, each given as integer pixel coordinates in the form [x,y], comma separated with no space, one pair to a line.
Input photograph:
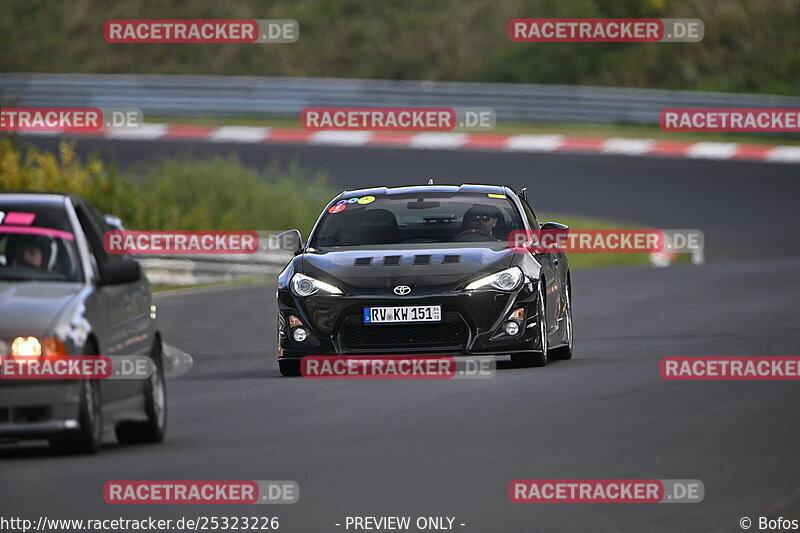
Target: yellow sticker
[366,199]
[502,196]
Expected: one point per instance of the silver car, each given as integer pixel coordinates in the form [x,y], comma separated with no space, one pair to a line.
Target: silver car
[60,290]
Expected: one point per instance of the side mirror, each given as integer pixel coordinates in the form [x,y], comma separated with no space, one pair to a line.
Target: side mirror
[554,226]
[113,222]
[552,233]
[119,272]
[291,241]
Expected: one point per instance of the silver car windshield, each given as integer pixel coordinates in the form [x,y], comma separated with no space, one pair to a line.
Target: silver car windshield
[37,244]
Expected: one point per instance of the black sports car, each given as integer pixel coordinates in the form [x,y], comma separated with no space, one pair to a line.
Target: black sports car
[423,270]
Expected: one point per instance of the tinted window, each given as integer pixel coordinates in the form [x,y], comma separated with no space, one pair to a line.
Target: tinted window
[433,218]
[530,215]
[37,243]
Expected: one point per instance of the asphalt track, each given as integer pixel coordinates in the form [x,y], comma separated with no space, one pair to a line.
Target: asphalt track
[450,448]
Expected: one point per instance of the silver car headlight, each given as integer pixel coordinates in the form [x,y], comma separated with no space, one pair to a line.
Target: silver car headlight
[505,280]
[303,285]
[30,348]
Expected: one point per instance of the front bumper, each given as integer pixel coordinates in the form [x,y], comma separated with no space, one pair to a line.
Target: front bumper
[37,410]
[471,324]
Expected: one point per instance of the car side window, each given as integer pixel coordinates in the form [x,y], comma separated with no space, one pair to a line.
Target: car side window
[93,235]
[534,224]
[100,223]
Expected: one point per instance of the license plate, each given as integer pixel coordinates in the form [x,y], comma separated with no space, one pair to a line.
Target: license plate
[410,313]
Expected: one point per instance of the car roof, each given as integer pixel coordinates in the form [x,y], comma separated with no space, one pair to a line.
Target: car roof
[36,198]
[422,189]
[42,197]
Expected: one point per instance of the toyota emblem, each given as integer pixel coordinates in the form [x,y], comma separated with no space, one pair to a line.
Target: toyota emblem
[402,290]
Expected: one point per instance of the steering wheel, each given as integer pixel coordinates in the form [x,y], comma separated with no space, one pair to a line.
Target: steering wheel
[474,235]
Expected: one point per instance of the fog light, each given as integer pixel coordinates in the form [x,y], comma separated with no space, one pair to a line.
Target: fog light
[511,328]
[299,334]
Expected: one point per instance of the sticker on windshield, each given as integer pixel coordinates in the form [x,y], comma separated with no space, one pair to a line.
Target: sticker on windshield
[337,208]
[357,200]
[501,196]
[15,217]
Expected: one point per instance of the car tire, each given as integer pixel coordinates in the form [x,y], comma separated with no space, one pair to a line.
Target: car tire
[538,357]
[289,368]
[155,398]
[89,437]
[565,352]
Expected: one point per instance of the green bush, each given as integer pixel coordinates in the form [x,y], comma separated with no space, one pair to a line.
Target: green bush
[176,194]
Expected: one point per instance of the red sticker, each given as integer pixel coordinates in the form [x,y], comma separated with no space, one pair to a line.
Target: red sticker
[336,208]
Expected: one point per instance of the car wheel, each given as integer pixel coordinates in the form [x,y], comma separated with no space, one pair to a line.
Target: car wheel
[538,357]
[289,367]
[565,352]
[155,397]
[89,437]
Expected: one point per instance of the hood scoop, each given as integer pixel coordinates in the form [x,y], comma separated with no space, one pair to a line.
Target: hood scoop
[394,260]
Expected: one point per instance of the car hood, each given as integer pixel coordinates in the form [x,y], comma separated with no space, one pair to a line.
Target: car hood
[424,269]
[30,308]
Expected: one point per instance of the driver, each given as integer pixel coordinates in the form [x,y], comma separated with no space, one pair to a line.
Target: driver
[27,250]
[481,218]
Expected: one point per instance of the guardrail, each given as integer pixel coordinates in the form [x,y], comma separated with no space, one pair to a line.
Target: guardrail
[192,269]
[242,96]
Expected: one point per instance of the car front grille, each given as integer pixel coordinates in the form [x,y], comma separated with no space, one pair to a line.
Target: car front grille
[450,333]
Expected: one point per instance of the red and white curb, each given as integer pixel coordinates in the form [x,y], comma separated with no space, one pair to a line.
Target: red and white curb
[454,141]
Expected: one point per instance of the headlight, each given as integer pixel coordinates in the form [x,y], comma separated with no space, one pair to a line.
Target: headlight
[505,280]
[303,285]
[26,347]
[33,347]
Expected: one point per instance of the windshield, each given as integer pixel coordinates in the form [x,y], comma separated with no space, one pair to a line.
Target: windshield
[36,243]
[415,218]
